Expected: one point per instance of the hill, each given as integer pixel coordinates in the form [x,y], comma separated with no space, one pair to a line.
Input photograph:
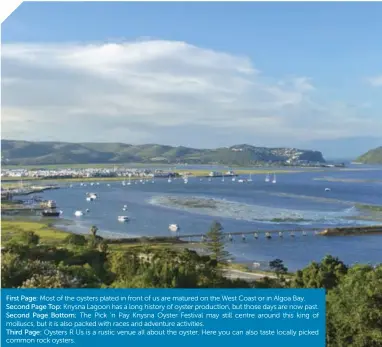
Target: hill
[374,156]
[44,153]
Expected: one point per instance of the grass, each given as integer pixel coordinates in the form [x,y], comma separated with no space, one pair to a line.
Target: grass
[47,233]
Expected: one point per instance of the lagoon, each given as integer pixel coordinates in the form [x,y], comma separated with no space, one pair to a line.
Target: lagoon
[298,200]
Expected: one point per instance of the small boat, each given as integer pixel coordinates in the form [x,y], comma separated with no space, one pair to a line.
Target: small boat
[89,198]
[267,179]
[281,234]
[124,206]
[268,236]
[123,183]
[292,234]
[87,210]
[186,181]
[250,178]
[108,184]
[240,181]
[152,181]
[274,178]
[124,209]
[92,184]
[47,213]
[230,237]
[173,227]
[169,180]
[123,218]
[304,233]
[233,179]
[243,237]
[327,189]
[78,213]
[255,236]
[93,196]
[97,183]
[81,184]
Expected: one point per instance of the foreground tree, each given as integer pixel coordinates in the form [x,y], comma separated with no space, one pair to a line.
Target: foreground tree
[215,243]
[93,231]
[326,274]
[354,309]
[278,267]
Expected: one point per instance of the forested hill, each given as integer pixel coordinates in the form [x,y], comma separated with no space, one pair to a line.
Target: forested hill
[43,153]
[374,156]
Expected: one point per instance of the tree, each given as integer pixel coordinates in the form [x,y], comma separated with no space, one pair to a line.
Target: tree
[354,309]
[93,231]
[29,238]
[75,239]
[326,274]
[278,267]
[215,243]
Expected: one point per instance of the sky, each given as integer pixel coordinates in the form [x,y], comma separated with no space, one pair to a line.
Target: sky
[196,74]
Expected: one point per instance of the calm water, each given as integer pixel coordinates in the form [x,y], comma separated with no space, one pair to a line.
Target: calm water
[239,207]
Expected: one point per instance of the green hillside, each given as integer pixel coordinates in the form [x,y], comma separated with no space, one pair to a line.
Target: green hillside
[48,153]
[374,156]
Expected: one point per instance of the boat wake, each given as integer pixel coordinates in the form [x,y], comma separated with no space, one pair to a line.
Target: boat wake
[254,213]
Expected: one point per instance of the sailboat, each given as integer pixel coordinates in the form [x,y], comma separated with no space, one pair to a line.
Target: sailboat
[267,178]
[223,178]
[250,178]
[274,178]
[128,183]
[169,180]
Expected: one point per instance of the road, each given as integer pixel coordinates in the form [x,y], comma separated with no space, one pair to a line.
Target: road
[246,276]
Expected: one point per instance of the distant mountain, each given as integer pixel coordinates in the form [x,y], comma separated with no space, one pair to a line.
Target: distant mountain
[374,156]
[44,153]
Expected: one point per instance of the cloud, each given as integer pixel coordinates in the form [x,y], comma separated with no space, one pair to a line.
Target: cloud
[376,81]
[161,91]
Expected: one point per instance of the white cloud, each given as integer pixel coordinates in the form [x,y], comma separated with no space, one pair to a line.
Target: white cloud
[160,91]
[376,81]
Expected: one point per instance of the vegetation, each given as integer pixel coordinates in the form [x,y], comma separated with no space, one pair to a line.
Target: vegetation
[215,243]
[32,258]
[374,156]
[53,153]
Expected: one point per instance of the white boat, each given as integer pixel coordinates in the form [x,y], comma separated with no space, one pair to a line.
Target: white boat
[173,227]
[153,181]
[89,198]
[274,178]
[267,178]
[186,180]
[124,206]
[123,218]
[87,210]
[81,184]
[92,184]
[97,183]
[169,180]
[123,183]
[250,178]
[223,179]
[108,184]
[129,183]
[233,179]
[327,189]
[93,196]
[78,213]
